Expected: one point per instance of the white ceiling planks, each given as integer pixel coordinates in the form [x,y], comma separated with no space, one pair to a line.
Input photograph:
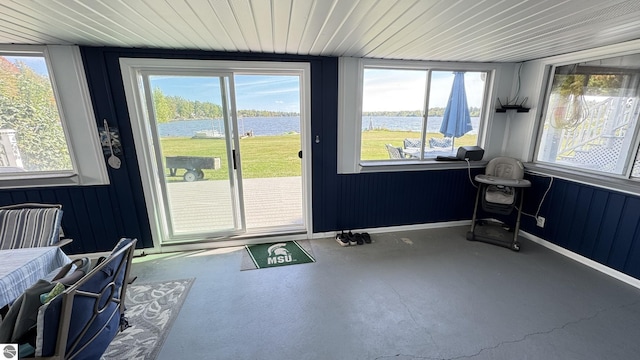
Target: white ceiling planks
[392,21]
[281,15]
[453,30]
[262,13]
[300,15]
[354,26]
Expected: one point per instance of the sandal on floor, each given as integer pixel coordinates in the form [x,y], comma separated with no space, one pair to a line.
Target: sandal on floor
[366,238]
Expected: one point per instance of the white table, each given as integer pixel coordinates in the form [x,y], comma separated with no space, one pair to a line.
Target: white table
[429,153]
[21,268]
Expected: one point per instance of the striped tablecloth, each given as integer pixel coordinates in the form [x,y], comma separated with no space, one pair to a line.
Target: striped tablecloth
[21,268]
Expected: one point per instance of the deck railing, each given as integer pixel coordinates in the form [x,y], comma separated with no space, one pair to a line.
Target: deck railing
[596,136]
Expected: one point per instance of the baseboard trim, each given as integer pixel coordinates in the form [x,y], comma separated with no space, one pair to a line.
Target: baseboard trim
[583,260]
[388,229]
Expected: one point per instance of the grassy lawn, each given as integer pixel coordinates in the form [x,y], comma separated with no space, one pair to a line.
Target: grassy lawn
[262,156]
[277,156]
[375,141]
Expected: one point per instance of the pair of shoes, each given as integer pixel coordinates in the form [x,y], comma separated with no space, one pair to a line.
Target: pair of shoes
[352,238]
[363,238]
[347,239]
[359,238]
[342,239]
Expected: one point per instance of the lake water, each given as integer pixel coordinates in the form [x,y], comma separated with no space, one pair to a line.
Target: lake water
[265,126]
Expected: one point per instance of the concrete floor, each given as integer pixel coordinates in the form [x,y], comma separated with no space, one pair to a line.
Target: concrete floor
[426,294]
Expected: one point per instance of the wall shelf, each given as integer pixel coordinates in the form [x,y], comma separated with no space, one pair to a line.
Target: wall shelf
[512,105]
[517,108]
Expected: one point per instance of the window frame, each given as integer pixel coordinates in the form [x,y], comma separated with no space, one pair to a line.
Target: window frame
[622,182]
[69,83]
[350,97]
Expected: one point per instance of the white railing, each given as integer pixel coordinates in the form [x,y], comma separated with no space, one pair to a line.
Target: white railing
[603,124]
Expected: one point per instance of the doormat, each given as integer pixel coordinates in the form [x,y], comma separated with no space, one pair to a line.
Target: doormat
[261,256]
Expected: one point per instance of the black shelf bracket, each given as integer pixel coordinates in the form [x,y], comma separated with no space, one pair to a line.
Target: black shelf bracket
[515,106]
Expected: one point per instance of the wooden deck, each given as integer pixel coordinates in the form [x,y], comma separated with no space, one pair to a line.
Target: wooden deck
[205,206]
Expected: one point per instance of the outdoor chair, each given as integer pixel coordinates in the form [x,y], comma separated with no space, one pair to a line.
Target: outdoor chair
[31,225]
[81,322]
[439,143]
[412,143]
[395,152]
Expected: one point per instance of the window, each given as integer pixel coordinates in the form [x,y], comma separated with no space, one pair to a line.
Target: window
[394,122]
[407,112]
[591,117]
[31,134]
[42,121]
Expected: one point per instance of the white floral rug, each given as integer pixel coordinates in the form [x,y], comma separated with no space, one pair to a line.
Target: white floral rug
[151,309]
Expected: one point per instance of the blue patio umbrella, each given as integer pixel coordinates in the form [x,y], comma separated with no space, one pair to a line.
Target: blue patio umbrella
[456,120]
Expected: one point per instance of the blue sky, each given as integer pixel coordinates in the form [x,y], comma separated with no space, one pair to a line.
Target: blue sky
[386,90]
[392,90]
[36,63]
[256,92]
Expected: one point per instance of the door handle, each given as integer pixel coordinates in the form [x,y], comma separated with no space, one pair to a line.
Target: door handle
[235,167]
[300,154]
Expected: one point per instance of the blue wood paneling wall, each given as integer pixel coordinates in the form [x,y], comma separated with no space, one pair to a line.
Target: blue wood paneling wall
[599,224]
[403,198]
[94,216]
[107,91]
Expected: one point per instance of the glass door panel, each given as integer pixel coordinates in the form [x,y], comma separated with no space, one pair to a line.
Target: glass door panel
[193,128]
[269,123]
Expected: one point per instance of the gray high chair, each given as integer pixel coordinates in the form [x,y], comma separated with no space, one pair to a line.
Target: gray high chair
[498,192]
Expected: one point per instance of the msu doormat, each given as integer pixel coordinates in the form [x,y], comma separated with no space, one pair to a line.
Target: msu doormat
[283,253]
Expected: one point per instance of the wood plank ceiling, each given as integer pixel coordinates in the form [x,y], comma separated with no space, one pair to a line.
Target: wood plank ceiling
[448,30]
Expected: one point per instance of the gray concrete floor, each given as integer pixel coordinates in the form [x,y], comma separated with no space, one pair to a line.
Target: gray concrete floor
[426,294]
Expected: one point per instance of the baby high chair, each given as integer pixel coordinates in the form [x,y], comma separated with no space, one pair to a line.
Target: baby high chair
[498,191]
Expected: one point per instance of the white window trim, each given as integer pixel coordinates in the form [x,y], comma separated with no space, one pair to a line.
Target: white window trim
[70,88]
[603,180]
[350,83]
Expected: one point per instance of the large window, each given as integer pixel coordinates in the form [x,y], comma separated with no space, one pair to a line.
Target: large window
[31,135]
[42,121]
[419,114]
[397,114]
[591,117]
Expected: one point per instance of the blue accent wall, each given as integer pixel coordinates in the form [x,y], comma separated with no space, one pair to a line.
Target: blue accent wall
[599,224]
[403,198]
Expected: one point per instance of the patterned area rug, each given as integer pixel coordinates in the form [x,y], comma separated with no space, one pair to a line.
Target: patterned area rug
[151,310]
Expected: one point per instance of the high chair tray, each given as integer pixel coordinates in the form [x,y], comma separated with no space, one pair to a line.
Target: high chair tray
[493,180]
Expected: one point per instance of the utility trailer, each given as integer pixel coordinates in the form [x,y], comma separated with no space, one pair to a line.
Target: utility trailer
[193,166]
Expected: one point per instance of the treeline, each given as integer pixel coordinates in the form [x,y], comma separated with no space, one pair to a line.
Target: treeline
[28,106]
[170,108]
[265,113]
[436,111]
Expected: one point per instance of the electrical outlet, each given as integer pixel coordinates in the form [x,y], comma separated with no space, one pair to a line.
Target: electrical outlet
[540,221]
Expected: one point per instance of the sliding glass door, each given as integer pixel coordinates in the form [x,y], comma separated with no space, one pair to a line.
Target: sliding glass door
[211,170]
